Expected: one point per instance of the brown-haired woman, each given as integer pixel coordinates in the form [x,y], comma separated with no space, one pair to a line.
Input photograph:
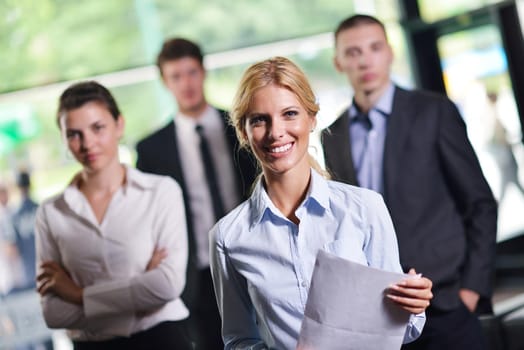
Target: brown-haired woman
[112,247]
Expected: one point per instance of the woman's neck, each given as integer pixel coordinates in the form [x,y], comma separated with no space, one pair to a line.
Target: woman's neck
[103,182]
[288,190]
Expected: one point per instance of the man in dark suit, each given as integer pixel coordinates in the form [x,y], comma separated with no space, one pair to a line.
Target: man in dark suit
[199,149]
[412,147]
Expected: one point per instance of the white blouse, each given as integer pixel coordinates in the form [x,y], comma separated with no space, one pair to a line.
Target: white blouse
[109,259]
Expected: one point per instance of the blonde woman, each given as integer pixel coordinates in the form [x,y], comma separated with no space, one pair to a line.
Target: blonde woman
[264,251]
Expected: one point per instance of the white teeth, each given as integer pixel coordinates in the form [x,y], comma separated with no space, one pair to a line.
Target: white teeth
[280,149]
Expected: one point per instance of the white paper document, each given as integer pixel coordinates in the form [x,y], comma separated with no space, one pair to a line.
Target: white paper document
[347,308]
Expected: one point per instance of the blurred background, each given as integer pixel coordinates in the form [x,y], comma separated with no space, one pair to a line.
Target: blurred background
[470,49]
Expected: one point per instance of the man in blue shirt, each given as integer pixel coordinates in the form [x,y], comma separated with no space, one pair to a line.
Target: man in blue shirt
[412,147]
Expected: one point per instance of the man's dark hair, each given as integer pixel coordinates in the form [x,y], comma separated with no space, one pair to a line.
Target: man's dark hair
[176,48]
[77,95]
[357,20]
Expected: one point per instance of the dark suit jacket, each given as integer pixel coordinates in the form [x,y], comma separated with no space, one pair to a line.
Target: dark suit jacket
[158,154]
[444,213]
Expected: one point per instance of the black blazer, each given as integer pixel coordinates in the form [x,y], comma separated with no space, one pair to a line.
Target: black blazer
[444,213]
[159,154]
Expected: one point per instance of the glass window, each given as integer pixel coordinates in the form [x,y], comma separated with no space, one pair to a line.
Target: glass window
[431,11]
[50,41]
[74,58]
[484,94]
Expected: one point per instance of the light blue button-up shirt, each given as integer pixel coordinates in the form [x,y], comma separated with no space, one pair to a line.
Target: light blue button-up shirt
[262,262]
[367,146]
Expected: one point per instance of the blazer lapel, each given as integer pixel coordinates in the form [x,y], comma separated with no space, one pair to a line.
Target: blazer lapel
[337,141]
[243,161]
[231,136]
[396,136]
[232,142]
[172,160]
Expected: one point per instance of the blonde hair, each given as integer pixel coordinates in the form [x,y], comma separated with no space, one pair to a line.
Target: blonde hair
[278,71]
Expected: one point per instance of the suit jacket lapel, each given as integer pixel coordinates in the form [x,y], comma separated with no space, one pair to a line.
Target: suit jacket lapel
[397,130]
[173,162]
[243,162]
[232,142]
[339,159]
[230,132]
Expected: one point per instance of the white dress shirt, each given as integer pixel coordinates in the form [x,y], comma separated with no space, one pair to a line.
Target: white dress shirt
[197,188]
[109,259]
[367,146]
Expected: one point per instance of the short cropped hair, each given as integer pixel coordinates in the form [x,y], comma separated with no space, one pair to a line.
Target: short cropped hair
[176,48]
[356,21]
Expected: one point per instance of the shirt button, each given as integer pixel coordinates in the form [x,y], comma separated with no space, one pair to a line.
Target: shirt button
[304,284]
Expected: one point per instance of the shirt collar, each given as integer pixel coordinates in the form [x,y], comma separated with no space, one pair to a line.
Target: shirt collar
[384,104]
[134,178]
[207,119]
[318,192]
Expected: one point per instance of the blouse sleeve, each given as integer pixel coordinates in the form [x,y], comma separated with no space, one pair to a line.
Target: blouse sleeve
[57,312]
[380,247]
[238,316]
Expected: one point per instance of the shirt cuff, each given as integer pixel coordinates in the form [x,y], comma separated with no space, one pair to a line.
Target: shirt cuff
[415,327]
[109,308]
